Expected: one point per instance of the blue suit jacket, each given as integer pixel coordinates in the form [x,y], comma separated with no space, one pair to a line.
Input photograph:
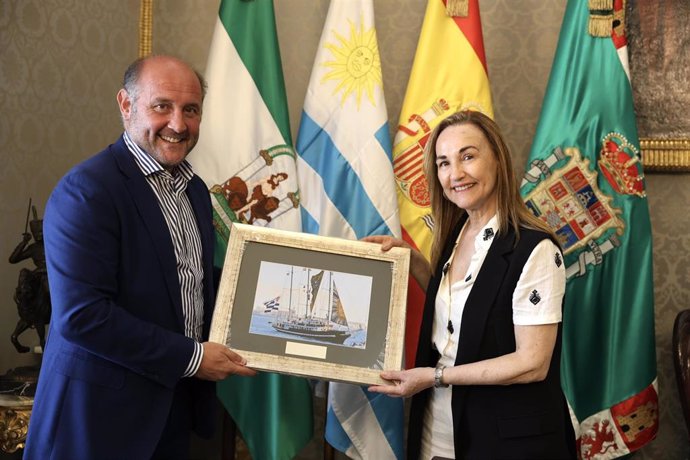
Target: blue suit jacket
[116,348]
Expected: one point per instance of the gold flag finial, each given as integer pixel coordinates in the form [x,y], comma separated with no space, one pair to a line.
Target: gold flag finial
[457,8]
[145,27]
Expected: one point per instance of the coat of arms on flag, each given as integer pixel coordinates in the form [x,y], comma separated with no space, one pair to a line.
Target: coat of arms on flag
[258,193]
[568,198]
[411,139]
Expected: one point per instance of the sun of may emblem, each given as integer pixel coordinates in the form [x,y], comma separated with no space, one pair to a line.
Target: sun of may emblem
[357,67]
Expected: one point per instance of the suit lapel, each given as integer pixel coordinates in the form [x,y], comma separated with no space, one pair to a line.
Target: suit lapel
[482,298]
[152,217]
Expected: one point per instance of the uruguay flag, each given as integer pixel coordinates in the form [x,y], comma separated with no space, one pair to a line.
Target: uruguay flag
[348,190]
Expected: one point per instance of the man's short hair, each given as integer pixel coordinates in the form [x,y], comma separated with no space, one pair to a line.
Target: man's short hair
[131,77]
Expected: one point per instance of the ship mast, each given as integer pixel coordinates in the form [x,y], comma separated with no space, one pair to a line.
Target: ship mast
[330,296]
[292,280]
[309,289]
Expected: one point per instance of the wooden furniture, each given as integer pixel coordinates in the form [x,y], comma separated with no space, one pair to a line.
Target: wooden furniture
[681,362]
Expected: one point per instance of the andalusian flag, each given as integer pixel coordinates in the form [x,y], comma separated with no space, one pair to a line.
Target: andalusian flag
[448,74]
[346,179]
[585,179]
[245,155]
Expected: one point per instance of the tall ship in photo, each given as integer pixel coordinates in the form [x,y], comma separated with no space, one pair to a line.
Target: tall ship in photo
[315,309]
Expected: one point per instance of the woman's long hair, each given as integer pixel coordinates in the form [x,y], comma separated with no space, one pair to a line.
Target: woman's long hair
[511,210]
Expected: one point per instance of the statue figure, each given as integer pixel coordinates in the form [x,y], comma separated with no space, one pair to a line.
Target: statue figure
[32,295]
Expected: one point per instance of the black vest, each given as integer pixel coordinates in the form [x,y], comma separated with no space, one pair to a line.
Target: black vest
[495,421]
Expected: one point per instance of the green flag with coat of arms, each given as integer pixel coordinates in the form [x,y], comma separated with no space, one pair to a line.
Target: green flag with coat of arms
[246,157]
[584,177]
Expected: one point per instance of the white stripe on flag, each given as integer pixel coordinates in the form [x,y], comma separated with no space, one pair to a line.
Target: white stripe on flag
[319,207]
[365,155]
[230,87]
[367,443]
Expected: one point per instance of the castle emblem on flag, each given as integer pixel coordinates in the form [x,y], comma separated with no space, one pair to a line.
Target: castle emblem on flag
[568,198]
[626,427]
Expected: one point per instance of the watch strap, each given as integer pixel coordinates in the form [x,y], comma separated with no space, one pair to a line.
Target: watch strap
[438,376]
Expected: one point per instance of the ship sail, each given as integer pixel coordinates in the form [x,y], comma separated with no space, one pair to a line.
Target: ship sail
[315,309]
[337,312]
[315,284]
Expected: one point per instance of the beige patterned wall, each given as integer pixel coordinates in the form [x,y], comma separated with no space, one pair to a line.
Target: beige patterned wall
[660,46]
[61,63]
[60,66]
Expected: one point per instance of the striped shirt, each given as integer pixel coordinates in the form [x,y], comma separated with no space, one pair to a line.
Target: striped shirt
[169,189]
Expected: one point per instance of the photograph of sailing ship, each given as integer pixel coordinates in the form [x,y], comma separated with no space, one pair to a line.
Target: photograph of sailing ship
[312,305]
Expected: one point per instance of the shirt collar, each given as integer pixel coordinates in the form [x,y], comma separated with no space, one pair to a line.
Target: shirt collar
[149,166]
[486,235]
[482,242]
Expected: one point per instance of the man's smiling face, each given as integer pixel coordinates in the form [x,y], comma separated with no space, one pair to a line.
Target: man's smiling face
[164,113]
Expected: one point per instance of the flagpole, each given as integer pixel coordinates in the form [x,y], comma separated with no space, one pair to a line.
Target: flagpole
[145,27]
[328,450]
[229,437]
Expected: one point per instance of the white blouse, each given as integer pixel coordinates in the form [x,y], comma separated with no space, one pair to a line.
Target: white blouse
[536,300]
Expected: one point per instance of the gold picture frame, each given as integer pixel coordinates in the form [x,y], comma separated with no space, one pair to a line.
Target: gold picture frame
[313,306]
[665,155]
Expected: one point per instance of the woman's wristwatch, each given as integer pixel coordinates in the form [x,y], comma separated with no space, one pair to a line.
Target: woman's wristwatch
[438,377]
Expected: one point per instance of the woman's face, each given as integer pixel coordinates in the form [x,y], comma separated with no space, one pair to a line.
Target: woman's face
[466,168]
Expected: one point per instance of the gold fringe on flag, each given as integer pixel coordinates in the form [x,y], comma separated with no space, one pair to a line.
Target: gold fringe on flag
[457,8]
[145,27]
[600,26]
[600,18]
[601,5]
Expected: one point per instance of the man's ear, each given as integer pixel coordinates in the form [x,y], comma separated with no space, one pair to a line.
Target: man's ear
[124,102]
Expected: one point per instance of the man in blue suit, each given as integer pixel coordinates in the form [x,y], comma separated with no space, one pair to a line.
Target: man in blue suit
[128,237]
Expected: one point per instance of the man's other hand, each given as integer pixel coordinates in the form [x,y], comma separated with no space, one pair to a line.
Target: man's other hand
[219,362]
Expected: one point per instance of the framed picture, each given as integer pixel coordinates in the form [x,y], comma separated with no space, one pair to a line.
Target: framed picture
[313,306]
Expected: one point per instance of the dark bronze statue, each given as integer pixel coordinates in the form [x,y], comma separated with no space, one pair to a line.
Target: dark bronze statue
[32,294]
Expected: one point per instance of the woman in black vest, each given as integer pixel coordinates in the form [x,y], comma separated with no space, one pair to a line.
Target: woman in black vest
[487,377]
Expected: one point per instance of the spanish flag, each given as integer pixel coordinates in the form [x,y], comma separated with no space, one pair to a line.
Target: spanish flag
[448,74]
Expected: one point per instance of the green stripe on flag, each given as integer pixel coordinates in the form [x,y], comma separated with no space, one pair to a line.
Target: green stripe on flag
[283,435]
[250,24]
[273,412]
